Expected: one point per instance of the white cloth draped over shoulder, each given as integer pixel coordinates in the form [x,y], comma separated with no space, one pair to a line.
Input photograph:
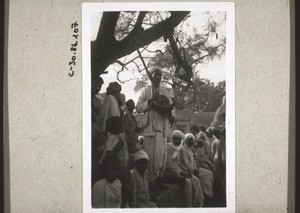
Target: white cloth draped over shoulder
[173,167]
[192,191]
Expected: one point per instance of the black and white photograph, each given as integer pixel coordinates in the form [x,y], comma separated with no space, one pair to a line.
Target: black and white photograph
[120,106]
[158,106]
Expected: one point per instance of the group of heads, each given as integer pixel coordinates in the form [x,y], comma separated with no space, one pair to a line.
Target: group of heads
[197,140]
[195,129]
[219,133]
[114,88]
[189,139]
[210,131]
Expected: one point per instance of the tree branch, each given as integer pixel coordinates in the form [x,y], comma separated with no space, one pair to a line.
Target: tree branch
[142,38]
[121,63]
[198,59]
[157,51]
[209,53]
[180,62]
[118,78]
[140,19]
[167,82]
[137,26]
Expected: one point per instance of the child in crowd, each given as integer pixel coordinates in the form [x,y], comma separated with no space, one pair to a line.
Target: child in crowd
[115,143]
[139,181]
[140,142]
[106,193]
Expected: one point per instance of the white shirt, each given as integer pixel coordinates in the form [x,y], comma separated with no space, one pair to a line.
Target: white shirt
[106,195]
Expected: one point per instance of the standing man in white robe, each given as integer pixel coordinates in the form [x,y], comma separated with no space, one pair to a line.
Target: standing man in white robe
[157,128]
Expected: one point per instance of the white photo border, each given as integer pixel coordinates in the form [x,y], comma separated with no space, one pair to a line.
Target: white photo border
[229,8]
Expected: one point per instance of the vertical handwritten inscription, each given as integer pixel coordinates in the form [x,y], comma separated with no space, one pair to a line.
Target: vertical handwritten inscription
[73,49]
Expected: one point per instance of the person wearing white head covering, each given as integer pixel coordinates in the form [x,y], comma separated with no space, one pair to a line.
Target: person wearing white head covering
[205,167]
[141,154]
[139,181]
[187,160]
[189,163]
[172,165]
[192,191]
[140,142]
[156,130]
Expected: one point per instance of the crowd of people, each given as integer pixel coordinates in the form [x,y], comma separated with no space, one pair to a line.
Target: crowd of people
[133,162]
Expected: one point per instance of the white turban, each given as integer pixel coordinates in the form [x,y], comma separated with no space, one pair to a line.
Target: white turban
[178,133]
[140,155]
[188,136]
[201,136]
[209,129]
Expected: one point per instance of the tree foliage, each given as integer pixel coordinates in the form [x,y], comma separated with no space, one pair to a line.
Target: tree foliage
[204,97]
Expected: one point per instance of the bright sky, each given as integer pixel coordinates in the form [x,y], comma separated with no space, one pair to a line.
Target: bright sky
[213,70]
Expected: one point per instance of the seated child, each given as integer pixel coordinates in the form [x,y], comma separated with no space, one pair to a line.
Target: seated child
[139,181]
[140,143]
[115,143]
[106,193]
